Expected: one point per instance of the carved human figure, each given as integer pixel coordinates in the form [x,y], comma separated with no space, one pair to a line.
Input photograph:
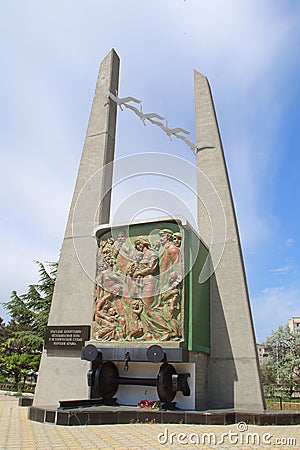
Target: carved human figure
[106,249]
[177,238]
[137,309]
[122,252]
[172,302]
[146,271]
[168,256]
[107,278]
[146,275]
[109,314]
[169,252]
[104,327]
[178,266]
[119,323]
[135,283]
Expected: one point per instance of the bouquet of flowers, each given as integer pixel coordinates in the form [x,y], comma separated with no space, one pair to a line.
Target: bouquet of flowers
[146,404]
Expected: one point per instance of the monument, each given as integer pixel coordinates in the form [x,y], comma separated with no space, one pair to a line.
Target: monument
[153,309]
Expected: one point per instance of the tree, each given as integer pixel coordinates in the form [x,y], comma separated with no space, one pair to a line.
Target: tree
[268,373]
[281,368]
[2,330]
[18,366]
[21,340]
[3,335]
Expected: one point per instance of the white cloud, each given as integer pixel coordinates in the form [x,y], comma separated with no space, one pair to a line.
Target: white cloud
[290,242]
[280,270]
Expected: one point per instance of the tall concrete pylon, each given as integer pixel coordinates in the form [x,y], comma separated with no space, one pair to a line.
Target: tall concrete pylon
[62,374]
[233,370]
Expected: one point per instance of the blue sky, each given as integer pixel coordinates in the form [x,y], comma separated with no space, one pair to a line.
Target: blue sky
[249,50]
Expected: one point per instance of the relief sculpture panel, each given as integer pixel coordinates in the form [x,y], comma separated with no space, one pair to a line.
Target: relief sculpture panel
[139,286]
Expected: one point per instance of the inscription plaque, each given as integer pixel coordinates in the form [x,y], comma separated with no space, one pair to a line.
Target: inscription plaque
[66,337]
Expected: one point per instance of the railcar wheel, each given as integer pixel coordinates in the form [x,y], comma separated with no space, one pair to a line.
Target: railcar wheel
[164,383]
[107,380]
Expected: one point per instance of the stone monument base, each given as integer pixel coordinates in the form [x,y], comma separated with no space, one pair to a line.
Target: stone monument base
[104,415]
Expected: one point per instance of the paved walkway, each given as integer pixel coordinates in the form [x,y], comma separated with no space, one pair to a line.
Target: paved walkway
[17,432]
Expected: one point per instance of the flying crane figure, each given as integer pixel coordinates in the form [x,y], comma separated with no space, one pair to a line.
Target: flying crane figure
[122,101]
[159,124]
[138,112]
[195,147]
[175,131]
[149,116]
[141,115]
[169,131]
[192,146]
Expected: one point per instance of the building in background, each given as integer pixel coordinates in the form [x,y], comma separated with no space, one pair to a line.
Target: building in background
[263,350]
[294,324]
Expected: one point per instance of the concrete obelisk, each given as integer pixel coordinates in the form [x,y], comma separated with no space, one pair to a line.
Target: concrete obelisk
[62,374]
[233,370]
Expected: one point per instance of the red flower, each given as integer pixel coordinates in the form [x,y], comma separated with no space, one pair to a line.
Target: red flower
[143,404]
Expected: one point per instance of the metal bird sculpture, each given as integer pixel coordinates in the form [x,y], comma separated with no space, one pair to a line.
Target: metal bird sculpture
[141,115]
[158,124]
[138,112]
[176,130]
[192,146]
[149,116]
[122,101]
